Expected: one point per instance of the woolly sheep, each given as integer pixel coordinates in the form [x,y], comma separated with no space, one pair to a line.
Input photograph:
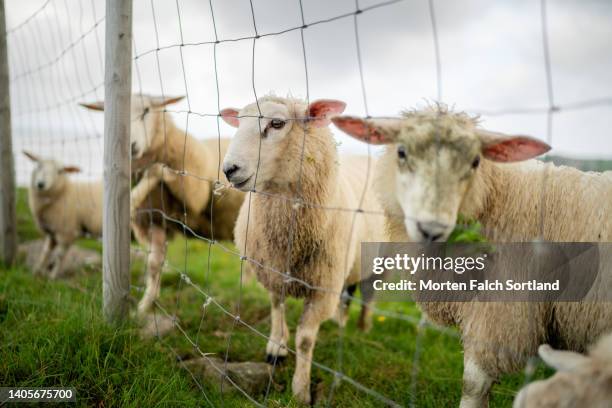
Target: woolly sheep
[63,209]
[156,139]
[288,226]
[439,164]
[580,381]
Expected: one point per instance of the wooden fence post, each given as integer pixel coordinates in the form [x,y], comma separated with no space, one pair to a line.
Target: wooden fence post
[8,219]
[117,172]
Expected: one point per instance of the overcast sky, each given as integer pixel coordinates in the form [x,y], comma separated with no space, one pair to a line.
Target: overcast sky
[491,53]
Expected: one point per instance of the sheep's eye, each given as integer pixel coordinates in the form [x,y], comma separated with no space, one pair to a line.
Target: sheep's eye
[476,162]
[277,123]
[401,153]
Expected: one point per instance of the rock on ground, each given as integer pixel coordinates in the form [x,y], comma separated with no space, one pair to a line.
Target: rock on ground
[77,259]
[156,325]
[251,377]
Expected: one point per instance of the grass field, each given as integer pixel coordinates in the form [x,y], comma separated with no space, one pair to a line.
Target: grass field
[52,334]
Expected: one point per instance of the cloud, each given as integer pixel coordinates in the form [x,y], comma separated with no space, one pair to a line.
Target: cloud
[491,58]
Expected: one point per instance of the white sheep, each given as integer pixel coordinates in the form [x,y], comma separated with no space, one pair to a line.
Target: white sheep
[63,209]
[580,381]
[439,164]
[181,176]
[285,151]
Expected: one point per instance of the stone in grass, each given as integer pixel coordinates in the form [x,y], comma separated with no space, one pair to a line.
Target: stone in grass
[251,377]
[77,259]
[156,325]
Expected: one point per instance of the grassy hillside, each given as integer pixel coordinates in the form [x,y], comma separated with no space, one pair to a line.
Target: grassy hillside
[51,334]
[582,164]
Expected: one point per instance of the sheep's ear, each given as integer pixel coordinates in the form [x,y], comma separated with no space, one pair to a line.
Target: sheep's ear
[31,156]
[97,106]
[505,148]
[71,169]
[377,132]
[230,116]
[321,111]
[158,101]
[561,360]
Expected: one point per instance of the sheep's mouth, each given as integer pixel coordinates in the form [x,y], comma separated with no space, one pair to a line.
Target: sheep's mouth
[242,183]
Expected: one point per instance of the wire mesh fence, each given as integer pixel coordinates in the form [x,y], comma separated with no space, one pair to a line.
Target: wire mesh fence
[209,53]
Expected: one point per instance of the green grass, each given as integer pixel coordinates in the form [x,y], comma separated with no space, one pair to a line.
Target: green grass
[52,334]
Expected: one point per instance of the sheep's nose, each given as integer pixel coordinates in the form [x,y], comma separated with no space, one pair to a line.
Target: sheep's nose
[134,149]
[431,231]
[40,185]
[229,170]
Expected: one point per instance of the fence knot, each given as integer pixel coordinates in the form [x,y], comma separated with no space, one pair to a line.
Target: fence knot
[186,278]
[218,188]
[207,302]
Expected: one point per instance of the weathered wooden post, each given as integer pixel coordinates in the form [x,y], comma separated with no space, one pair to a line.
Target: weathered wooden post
[8,219]
[117,96]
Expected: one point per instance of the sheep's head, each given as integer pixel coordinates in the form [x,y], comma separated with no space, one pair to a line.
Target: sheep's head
[432,157]
[580,381]
[145,118]
[266,133]
[48,175]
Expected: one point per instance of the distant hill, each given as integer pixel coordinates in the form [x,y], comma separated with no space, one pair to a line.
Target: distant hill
[582,164]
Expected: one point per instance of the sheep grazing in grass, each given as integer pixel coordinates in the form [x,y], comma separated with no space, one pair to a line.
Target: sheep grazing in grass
[580,381]
[63,209]
[284,150]
[163,192]
[439,164]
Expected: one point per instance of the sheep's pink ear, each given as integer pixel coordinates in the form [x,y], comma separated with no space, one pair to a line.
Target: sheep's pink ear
[230,116]
[504,148]
[376,132]
[561,360]
[97,106]
[158,101]
[321,111]
[32,157]
[71,169]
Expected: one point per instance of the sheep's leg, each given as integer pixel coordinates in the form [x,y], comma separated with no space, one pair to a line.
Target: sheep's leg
[141,190]
[276,349]
[320,307]
[58,259]
[365,316]
[151,178]
[476,384]
[155,260]
[344,306]
[43,261]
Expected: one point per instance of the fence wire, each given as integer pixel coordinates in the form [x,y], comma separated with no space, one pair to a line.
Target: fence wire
[46,86]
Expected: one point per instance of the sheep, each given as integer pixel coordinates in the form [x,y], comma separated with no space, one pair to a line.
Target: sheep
[439,164]
[287,226]
[63,210]
[580,381]
[164,188]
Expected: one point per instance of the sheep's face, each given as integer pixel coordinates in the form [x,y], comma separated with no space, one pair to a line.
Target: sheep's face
[146,121]
[566,390]
[48,175]
[143,118]
[432,178]
[268,132]
[436,156]
[580,381]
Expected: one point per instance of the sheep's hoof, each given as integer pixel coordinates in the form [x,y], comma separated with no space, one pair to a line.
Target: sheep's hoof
[303,396]
[364,325]
[275,360]
[143,309]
